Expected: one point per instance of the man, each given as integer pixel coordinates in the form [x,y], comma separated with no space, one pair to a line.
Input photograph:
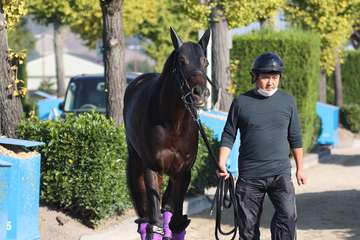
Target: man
[268,122]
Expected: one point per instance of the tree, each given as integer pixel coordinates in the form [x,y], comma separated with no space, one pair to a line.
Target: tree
[222,15]
[59,13]
[10,104]
[333,20]
[114,45]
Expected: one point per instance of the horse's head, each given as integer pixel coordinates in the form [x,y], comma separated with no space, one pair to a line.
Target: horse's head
[190,68]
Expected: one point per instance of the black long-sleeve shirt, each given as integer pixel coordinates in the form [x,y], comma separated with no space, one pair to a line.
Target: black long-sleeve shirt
[268,126]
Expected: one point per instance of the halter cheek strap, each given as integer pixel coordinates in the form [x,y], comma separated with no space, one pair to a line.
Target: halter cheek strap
[186,92]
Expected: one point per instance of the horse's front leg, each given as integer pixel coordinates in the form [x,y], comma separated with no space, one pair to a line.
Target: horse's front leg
[155,230]
[179,222]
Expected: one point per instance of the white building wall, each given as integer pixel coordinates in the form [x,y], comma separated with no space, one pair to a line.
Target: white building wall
[44,68]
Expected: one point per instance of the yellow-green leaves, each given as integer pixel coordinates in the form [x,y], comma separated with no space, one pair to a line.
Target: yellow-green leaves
[136,12]
[241,12]
[14,10]
[332,19]
[238,13]
[15,59]
[88,19]
[48,11]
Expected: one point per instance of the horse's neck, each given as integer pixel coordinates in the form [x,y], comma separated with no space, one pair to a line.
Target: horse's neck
[172,108]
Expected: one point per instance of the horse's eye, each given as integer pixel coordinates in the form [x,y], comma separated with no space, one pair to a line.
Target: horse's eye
[183,60]
[204,62]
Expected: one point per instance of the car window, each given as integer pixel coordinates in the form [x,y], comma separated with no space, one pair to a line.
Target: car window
[86,95]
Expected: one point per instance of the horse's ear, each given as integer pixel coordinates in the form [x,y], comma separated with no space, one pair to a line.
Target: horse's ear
[204,41]
[177,42]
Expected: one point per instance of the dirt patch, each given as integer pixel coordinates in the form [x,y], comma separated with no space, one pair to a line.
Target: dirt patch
[55,225]
[7,152]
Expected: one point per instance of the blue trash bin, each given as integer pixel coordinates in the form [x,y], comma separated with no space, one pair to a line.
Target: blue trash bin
[329,116]
[215,120]
[4,189]
[24,191]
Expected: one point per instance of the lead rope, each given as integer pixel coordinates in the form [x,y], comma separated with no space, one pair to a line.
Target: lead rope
[224,196]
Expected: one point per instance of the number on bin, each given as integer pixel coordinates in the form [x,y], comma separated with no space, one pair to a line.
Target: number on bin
[8,226]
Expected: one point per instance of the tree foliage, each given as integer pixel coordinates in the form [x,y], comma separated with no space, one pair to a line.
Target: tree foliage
[157,41]
[238,13]
[332,19]
[14,10]
[47,11]
[148,19]
[20,38]
[88,20]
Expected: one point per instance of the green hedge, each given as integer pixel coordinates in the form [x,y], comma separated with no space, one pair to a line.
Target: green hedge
[83,165]
[300,52]
[350,71]
[350,117]
[350,76]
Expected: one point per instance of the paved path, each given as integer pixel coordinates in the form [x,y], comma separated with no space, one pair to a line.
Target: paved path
[328,206]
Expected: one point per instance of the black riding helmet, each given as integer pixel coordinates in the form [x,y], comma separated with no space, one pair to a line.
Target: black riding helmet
[268,62]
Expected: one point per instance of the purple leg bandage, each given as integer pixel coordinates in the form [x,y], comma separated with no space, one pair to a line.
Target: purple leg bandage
[142,228]
[179,236]
[166,220]
[156,236]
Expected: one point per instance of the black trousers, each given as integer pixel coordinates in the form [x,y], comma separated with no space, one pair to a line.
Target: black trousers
[250,195]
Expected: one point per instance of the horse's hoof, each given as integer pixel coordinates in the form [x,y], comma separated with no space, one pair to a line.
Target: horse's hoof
[179,224]
[179,236]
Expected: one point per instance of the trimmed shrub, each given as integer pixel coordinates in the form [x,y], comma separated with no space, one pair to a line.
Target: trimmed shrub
[83,165]
[350,70]
[300,52]
[350,117]
[83,168]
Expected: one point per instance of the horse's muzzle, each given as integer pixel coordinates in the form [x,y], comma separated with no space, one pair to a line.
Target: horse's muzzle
[200,95]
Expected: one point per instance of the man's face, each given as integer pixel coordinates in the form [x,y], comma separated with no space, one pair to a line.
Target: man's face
[268,81]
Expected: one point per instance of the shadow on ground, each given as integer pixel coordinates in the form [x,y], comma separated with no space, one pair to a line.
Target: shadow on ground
[344,160]
[329,210]
[316,211]
[325,211]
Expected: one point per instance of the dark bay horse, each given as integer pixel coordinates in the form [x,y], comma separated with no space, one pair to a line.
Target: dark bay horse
[162,137]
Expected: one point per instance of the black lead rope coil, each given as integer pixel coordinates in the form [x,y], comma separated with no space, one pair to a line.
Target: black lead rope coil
[224,196]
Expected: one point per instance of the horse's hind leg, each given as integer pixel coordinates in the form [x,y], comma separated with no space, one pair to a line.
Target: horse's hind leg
[135,178]
[153,196]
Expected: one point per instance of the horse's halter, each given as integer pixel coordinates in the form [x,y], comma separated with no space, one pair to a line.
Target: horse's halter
[186,91]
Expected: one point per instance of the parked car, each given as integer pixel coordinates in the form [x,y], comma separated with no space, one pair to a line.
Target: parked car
[86,93]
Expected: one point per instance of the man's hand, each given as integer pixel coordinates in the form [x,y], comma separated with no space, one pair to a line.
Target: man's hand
[222,172]
[300,177]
